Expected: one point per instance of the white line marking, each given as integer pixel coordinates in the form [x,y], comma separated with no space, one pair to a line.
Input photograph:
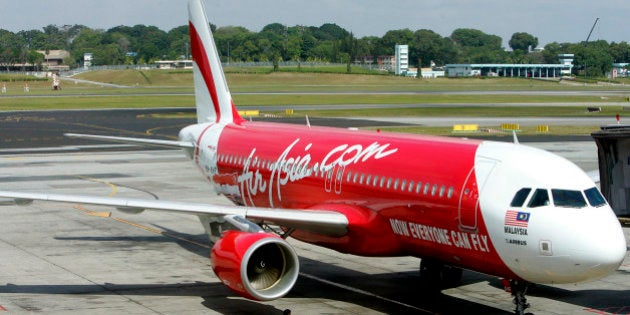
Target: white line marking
[349,288]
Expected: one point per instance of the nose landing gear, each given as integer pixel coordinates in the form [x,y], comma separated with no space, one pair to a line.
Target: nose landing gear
[518,289]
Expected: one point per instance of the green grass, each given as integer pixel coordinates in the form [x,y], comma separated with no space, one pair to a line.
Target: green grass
[173,88]
[92,102]
[494,131]
[468,111]
[256,80]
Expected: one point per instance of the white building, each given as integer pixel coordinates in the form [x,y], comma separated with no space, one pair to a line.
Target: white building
[567,61]
[87,60]
[402,59]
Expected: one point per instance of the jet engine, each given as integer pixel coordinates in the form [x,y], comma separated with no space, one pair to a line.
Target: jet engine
[258,266]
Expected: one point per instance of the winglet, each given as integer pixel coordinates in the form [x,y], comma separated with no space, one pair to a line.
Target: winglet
[212,96]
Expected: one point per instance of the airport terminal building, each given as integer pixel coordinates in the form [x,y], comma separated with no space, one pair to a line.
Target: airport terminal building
[513,69]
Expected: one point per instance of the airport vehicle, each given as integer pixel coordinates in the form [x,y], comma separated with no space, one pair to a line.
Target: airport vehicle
[507,210]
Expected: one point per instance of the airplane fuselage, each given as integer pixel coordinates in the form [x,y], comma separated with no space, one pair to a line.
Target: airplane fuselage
[403,194]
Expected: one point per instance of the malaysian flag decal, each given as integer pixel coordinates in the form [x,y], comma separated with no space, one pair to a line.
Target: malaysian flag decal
[516,218]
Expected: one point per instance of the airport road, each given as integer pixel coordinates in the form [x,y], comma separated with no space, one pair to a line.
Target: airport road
[73,259]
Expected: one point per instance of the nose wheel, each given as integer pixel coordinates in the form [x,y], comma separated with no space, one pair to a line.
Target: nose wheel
[519,288]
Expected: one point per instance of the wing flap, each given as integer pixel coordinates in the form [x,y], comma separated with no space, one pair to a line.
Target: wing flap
[317,221]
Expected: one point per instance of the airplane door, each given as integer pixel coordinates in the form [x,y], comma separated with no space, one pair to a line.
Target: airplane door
[328,180]
[339,179]
[334,178]
[468,209]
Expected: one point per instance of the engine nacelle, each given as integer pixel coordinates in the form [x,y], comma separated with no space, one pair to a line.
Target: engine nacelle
[258,266]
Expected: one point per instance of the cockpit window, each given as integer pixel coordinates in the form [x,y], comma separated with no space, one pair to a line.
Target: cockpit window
[519,198]
[540,199]
[568,198]
[594,197]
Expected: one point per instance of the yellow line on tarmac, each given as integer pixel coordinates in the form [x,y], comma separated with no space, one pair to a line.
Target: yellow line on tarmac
[114,189]
[160,232]
[112,186]
[104,214]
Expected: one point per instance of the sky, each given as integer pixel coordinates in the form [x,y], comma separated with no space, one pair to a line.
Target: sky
[548,20]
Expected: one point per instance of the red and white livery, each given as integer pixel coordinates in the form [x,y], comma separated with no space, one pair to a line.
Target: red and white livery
[507,210]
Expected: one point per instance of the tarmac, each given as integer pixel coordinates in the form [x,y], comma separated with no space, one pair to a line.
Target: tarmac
[73,259]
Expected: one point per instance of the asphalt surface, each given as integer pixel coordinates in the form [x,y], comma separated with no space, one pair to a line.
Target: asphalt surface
[42,131]
[73,259]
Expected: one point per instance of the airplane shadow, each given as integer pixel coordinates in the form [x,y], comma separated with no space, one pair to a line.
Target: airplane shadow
[401,292]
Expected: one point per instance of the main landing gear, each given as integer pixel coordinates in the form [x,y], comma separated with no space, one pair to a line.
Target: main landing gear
[438,275]
[518,289]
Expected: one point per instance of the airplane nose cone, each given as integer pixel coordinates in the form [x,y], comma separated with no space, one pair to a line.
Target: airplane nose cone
[590,247]
[603,248]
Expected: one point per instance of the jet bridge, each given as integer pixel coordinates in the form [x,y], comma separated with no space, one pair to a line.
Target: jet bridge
[613,150]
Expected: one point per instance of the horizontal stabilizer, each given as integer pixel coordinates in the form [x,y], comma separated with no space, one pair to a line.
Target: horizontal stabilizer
[135,141]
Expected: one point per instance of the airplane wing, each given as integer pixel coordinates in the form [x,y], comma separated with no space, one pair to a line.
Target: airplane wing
[322,222]
[137,141]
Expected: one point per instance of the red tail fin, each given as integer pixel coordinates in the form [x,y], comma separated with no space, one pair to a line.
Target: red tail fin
[212,96]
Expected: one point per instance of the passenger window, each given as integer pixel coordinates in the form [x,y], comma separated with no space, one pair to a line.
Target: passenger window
[361,179]
[442,190]
[418,187]
[594,197]
[403,185]
[368,180]
[540,199]
[519,198]
[568,198]
[426,188]
[375,180]
[349,176]
[451,190]
[410,186]
[396,183]
[389,183]
[434,189]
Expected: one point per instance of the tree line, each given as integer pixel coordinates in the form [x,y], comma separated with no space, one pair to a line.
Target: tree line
[142,44]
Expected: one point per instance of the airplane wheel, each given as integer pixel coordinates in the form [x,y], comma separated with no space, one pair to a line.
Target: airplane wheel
[451,276]
[438,275]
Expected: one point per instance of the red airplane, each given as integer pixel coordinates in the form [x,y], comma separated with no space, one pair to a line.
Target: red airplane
[506,210]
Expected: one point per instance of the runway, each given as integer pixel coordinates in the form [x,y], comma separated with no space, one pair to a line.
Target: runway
[75,259]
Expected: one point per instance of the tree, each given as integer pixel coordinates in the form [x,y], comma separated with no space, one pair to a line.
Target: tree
[88,41]
[523,41]
[475,46]
[593,58]
[468,37]
[386,44]
[179,43]
[620,52]
[429,46]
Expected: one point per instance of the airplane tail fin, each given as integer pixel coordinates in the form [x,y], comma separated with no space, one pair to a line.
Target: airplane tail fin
[212,96]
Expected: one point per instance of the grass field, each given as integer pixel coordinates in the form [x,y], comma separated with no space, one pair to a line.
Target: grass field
[173,88]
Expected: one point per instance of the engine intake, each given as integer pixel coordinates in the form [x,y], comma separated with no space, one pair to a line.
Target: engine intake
[258,266]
